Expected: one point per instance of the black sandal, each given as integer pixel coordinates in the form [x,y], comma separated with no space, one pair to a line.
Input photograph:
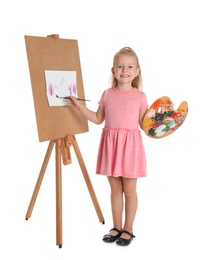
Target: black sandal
[125,242]
[110,238]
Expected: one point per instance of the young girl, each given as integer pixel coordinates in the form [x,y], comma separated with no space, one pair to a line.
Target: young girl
[121,155]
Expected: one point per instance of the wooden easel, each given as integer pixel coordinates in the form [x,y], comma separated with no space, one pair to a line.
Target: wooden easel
[62,149]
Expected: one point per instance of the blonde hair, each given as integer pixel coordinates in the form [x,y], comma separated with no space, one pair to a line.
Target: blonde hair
[137,81]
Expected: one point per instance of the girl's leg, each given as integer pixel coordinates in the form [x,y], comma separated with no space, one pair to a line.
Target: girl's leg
[131,202]
[116,186]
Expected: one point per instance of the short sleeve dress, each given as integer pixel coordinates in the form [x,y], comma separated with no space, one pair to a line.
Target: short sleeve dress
[121,150]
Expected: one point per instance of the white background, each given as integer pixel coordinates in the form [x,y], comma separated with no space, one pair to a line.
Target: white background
[166,37]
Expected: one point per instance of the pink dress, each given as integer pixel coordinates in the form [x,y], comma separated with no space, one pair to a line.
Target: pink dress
[121,151]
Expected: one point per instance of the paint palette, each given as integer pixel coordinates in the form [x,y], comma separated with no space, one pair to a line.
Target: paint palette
[158,125]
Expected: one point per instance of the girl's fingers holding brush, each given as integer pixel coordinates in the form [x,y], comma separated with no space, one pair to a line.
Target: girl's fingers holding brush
[72,101]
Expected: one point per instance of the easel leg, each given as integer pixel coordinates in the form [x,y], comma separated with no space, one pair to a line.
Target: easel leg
[86,177]
[39,181]
[65,151]
[62,149]
[58,194]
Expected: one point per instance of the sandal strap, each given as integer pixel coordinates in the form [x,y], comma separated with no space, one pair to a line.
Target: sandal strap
[115,229]
[128,233]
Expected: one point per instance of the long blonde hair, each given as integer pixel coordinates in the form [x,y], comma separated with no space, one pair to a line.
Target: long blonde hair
[137,82]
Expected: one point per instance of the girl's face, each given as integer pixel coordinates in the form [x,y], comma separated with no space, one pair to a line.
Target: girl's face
[125,69]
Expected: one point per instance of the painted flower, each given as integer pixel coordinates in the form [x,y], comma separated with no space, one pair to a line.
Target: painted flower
[51,89]
[74,89]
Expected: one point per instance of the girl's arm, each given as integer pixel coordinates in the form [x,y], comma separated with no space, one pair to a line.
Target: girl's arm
[141,117]
[95,117]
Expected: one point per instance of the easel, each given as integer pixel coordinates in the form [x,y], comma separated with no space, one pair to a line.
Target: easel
[62,149]
[55,123]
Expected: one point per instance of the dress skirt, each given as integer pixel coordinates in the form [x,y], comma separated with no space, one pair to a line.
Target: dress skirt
[121,153]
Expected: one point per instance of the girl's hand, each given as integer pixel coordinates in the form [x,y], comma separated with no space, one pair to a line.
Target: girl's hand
[72,101]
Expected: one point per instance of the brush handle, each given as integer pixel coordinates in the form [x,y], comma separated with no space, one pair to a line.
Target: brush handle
[82,99]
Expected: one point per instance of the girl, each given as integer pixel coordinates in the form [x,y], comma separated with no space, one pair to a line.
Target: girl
[121,155]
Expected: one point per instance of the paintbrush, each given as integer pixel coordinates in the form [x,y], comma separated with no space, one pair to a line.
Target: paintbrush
[82,99]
